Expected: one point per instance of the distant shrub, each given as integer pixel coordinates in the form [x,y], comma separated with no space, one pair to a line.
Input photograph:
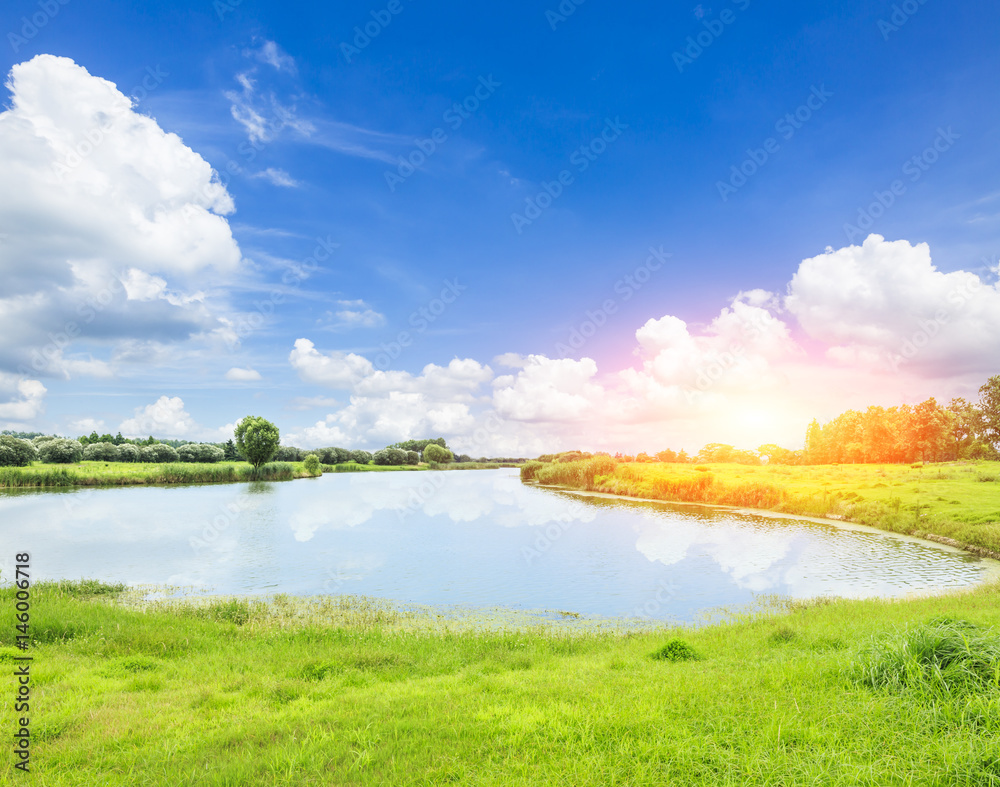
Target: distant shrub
[288,453]
[676,650]
[128,453]
[101,452]
[45,438]
[158,453]
[60,451]
[200,453]
[412,458]
[312,464]
[393,456]
[334,456]
[361,457]
[15,452]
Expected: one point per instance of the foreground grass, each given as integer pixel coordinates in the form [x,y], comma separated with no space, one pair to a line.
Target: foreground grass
[959,501]
[129,473]
[346,691]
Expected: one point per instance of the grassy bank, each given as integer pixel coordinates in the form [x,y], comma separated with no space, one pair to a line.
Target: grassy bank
[960,501]
[126,473]
[346,691]
[354,467]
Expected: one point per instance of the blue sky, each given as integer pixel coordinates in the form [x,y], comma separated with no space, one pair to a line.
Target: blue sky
[829,107]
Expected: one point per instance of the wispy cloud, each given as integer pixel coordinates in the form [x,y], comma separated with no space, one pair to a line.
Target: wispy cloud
[269,52]
[261,114]
[351,140]
[277,177]
[352,314]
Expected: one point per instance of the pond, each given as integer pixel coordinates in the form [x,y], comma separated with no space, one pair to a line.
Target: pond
[476,538]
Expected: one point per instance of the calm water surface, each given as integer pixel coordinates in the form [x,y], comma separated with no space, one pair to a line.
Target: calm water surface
[477,538]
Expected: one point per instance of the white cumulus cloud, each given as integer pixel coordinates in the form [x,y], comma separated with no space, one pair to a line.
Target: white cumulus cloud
[107,221]
[165,417]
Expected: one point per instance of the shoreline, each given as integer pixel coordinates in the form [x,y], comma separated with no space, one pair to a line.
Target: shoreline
[949,544]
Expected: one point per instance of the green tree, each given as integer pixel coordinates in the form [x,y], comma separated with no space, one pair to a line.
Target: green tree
[989,408]
[390,457]
[230,453]
[60,451]
[312,464]
[361,457]
[435,453]
[128,453]
[257,439]
[288,453]
[776,455]
[15,452]
[101,452]
[200,452]
[158,453]
[816,453]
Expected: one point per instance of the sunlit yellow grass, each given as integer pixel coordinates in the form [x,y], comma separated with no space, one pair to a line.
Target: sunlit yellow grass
[954,500]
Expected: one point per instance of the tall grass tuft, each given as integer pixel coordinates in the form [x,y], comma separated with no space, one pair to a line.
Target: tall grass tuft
[273,471]
[941,659]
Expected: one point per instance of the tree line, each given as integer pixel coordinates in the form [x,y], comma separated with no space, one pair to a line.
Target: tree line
[926,432]
[256,441]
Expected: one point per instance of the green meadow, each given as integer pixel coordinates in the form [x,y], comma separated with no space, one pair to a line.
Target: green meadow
[349,691]
[955,500]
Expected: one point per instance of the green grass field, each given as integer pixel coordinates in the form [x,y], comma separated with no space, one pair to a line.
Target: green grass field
[960,500]
[347,692]
[128,473]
